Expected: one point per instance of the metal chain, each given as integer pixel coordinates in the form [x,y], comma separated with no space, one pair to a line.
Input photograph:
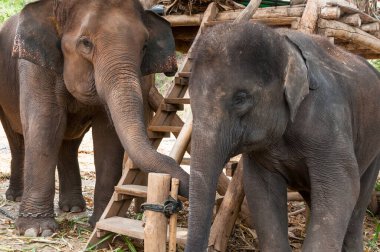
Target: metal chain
[170,206]
[36,215]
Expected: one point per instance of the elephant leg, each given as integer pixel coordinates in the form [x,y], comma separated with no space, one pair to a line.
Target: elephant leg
[109,155]
[353,241]
[267,199]
[44,123]
[334,192]
[70,184]
[16,144]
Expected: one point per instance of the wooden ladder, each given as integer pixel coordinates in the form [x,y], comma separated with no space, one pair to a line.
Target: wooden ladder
[164,122]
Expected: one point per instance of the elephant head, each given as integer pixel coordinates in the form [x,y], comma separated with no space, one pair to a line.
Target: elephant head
[246,86]
[102,49]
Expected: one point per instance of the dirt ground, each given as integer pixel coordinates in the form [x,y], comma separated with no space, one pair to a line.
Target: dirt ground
[74,230]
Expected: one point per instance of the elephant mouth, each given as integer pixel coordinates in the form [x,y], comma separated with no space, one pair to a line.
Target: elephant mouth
[171,73]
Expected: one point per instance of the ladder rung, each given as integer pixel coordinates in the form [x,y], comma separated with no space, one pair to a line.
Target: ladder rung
[133,190]
[184,74]
[177,100]
[133,228]
[171,107]
[174,129]
[181,81]
[156,135]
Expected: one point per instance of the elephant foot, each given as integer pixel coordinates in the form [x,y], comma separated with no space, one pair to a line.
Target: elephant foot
[34,227]
[72,203]
[94,218]
[14,194]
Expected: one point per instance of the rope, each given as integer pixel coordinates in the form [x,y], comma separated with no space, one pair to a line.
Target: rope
[170,206]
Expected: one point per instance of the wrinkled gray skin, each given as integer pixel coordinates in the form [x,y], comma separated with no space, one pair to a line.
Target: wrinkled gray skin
[67,66]
[304,113]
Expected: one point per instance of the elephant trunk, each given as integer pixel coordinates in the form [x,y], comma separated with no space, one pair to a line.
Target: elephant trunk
[118,84]
[207,160]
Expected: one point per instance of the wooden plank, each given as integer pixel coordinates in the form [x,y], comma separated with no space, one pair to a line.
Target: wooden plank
[118,224]
[177,100]
[156,226]
[165,128]
[181,81]
[184,74]
[171,107]
[132,190]
[129,227]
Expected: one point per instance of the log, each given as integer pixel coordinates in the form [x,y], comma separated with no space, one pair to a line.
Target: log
[330,12]
[353,20]
[155,230]
[338,30]
[173,218]
[371,27]
[248,12]
[309,17]
[271,12]
[229,210]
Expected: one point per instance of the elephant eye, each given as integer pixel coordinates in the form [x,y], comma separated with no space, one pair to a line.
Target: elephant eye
[240,98]
[85,45]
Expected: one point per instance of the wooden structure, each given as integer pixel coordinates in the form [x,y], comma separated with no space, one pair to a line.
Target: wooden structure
[336,19]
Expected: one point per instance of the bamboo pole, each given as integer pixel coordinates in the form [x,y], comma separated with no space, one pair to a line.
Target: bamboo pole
[155,230]
[173,218]
[229,210]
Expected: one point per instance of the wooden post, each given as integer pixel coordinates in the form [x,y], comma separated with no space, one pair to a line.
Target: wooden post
[329,12]
[309,18]
[155,230]
[183,140]
[229,210]
[173,218]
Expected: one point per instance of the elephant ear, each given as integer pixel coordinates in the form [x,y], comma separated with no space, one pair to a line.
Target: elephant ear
[160,49]
[37,38]
[296,80]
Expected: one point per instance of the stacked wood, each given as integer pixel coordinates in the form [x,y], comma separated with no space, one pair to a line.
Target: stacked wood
[309,18]
[371,27]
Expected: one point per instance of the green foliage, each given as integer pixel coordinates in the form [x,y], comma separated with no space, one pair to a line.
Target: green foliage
[10,7]
[375,63]
[377,186]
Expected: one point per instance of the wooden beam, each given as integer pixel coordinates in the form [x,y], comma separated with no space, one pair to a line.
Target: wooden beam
[173,218]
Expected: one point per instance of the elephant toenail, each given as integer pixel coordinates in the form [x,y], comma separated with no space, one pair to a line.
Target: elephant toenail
[31,232]
[65,208]
[76,209]
[47,233]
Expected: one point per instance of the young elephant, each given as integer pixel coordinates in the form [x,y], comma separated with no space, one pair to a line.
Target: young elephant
[304,113]
[76,64]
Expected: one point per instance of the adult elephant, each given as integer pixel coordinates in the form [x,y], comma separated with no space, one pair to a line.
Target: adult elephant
[78,64]
[304,113]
